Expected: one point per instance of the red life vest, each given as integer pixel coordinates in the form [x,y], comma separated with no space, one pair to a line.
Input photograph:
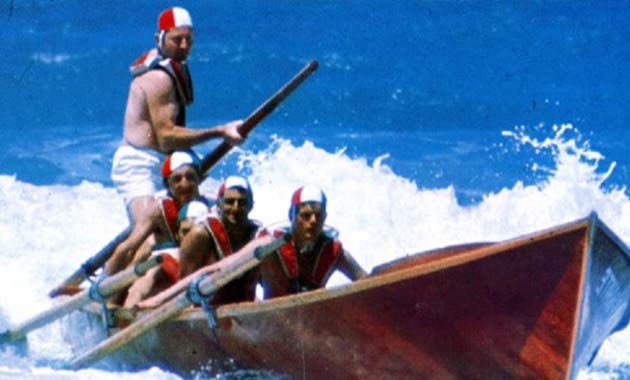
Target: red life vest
[170,261]
[220,236]
[240,289]
[178,71]
[169,212]
[328,252]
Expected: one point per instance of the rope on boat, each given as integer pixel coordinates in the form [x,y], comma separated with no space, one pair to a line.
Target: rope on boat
[96,296]
[195,296]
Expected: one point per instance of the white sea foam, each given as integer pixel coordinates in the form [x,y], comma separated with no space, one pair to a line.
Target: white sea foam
[47,231]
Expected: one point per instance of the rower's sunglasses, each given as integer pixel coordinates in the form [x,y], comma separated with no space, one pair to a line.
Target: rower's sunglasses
[240,202]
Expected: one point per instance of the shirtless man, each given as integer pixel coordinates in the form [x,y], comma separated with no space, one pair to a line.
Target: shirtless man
[307,261]
[154,121]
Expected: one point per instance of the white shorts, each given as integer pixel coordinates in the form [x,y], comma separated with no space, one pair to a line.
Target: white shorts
[136,172]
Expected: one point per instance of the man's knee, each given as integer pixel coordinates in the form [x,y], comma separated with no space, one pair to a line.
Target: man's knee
[138,206]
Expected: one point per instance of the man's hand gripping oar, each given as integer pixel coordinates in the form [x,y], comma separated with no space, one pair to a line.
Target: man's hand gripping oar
[259,114]
[87,269]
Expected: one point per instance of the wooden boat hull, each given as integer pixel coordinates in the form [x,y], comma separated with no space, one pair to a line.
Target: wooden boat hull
[535,307]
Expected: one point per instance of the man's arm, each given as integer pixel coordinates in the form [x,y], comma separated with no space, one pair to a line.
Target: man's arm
[196,250]
[350,267]
[124,252]
[161,101]
[144,251]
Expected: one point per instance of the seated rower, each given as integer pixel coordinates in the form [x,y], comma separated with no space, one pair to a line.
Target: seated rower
[221,235]
[159,278]
[181,177]
[308,260]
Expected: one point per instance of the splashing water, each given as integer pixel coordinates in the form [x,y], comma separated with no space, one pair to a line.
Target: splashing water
[47,231]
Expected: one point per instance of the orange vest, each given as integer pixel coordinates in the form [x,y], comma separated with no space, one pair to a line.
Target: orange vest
[328,252]
[220,236]
[169,212]
[238,289]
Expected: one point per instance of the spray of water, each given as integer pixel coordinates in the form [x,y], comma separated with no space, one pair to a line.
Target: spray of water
[47,231]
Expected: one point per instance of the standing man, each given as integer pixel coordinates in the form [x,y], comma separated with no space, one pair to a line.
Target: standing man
[221,235]
[155,117]
[307,261]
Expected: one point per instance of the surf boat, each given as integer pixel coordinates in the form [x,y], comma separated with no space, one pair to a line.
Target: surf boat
[534,307]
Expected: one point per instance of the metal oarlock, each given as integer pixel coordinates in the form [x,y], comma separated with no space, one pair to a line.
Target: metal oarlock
[96,296]
[196,297]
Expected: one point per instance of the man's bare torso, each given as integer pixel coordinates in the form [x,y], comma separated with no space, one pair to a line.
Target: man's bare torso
[151,104]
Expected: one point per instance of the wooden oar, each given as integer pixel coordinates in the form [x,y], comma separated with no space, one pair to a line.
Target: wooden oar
[70,284]
[91,265]
[260,113]
[104,289]
[182,284]
[239,263]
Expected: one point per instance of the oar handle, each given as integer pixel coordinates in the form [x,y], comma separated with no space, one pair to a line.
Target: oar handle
[260,113]
[90,265]
[112,284]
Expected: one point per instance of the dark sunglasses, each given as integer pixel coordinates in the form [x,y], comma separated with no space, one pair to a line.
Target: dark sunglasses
[306,215]
[240,202]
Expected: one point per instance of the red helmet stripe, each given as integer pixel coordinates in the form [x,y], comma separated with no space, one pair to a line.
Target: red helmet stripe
[174,17]
[166,20]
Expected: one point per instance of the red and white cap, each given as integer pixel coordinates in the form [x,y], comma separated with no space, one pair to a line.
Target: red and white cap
[237,182]
[306,194]
[195,210]
[174,17]
[178,159]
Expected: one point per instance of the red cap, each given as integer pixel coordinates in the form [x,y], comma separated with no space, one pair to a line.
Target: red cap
[174,17]
[178,159]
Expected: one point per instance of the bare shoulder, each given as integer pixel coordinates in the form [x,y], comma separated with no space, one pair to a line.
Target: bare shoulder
[154,83]
[199,230]
[198,236]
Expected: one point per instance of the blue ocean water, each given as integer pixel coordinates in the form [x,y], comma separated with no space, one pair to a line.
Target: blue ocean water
[470,118]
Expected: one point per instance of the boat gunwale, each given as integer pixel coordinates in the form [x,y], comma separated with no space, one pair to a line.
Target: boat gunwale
[319,295]
[380,279]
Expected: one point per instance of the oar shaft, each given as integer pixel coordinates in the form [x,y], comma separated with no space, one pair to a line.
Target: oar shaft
[207,162]
[238,267]
[245,259]
[107,287]
[91,265]
[46,317]
[259,114]
[182,284]
[123,337]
